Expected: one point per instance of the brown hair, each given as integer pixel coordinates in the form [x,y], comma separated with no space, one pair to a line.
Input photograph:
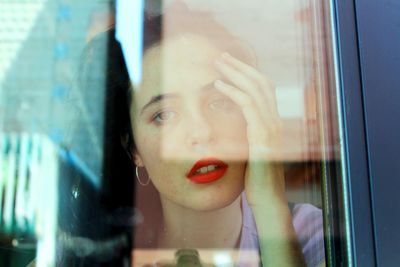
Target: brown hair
[118,174]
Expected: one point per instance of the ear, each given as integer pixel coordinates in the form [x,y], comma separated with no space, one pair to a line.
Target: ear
[133,155]
[137,159]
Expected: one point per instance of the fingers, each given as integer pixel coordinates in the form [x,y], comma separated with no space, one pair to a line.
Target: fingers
[266,85]
[261,133]
[250,81]
[247,69]
[254,94]
[239,97]
[236,77]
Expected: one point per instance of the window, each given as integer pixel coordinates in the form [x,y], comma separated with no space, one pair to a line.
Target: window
[170,132]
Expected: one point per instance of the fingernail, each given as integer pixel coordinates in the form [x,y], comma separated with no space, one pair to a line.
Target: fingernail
[218,61]
[218,83]
[225,55]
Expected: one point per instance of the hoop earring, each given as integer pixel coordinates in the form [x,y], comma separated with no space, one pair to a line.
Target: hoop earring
[138,177]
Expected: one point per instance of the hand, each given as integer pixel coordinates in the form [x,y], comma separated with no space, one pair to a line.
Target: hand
[255,94]
[264,181]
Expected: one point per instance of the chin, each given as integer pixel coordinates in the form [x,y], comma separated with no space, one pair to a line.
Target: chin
[213,201]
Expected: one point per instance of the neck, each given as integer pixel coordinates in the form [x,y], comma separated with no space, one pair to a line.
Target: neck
[187,228]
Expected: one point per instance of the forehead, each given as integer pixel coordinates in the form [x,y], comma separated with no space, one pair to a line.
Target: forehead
[182,63]
[179,47]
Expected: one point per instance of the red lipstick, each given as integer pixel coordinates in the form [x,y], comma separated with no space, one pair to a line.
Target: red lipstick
[207,170]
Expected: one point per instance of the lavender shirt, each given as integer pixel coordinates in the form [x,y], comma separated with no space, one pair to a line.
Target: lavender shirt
[307,222]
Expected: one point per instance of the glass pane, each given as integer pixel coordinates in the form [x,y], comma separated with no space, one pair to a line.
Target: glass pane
[170,133]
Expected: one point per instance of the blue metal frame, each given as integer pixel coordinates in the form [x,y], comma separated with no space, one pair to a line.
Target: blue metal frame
[378,24]
[355,139]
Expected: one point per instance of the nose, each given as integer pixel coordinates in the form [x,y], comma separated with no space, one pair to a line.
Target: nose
[199,133]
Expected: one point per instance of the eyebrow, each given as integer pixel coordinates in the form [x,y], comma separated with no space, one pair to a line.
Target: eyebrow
[157,98]
[161,97]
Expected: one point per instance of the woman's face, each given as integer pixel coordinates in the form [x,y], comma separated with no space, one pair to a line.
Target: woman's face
[190,137]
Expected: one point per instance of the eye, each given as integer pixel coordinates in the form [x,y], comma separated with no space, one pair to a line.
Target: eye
[164,116]
[222,104]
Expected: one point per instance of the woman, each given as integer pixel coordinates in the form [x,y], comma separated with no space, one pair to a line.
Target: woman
[205,145]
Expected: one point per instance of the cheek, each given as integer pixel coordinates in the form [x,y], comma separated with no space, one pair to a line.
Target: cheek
[172,142]
[148,144]
[231,135]
[231,122]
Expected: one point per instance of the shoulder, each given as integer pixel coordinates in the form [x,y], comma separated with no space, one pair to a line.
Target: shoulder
[308,224]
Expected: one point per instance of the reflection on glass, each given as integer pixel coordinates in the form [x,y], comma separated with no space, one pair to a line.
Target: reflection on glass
[214,152]
[209,136]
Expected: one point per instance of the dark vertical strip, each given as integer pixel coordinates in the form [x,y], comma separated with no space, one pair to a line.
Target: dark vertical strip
[356,153]
[379,42]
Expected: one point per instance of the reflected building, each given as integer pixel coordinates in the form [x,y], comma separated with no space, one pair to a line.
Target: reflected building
[41,49]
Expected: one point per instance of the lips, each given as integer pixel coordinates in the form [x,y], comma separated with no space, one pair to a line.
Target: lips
[207,171]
